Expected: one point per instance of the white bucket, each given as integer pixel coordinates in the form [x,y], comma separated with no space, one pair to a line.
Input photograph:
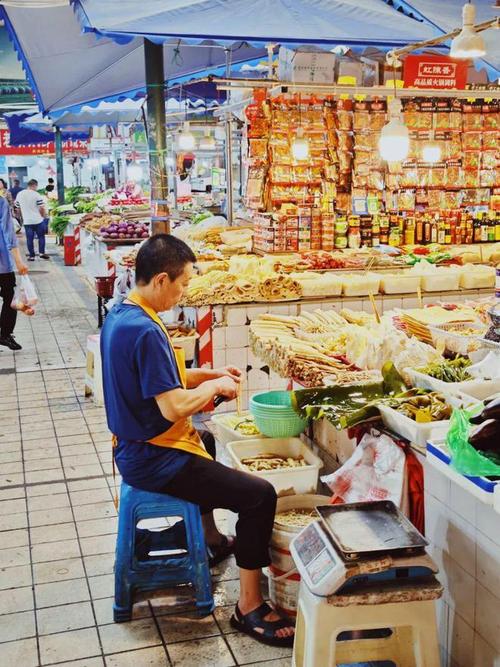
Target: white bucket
[284,581]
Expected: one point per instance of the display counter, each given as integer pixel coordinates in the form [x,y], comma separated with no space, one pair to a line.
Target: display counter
[224,330]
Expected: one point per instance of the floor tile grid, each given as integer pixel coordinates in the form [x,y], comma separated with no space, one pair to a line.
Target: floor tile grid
[94,420]
[29,542]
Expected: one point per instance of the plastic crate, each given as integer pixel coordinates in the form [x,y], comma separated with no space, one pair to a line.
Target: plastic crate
[286,481]
[227,434]
[421,433]
[453,340]
[476,388]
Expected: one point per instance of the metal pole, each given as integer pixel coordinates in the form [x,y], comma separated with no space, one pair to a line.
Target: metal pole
[229,151]
[155,80]
[59,164]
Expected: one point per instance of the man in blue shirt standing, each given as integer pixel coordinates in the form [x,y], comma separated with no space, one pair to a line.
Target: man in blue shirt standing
[150,398]
[9,254]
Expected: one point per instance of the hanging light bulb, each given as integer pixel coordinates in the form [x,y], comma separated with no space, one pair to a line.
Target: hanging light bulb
[300,145]
[394,142]
[431,152]
[468,43]
[207,143]
[187,140]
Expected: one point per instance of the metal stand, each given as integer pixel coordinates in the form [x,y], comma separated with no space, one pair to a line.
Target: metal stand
[59,164]
[156,134]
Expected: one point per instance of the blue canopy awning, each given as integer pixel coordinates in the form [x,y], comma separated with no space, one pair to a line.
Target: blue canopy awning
[67,68]
[21,135]
[350,22]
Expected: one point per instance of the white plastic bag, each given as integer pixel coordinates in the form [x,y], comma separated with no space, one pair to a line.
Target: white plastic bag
[125,281]
[28,291]
[375,471]
[25,296]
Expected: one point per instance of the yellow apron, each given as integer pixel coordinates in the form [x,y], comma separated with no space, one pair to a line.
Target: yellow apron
[182,434]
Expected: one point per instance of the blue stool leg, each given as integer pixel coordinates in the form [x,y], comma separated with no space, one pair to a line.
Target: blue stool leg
[201,578]
[125,545]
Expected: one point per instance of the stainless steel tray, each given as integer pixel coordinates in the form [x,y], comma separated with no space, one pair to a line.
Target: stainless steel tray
[370,528]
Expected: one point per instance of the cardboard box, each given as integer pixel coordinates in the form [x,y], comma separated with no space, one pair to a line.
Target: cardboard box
[307,65]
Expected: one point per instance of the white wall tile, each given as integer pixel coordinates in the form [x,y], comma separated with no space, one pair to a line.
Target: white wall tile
[436,484]
[410,302]
[219,358]
[236,337]
[219,338]
[255,311]
[237,357]
[488,522]
[463,503]
[484,654]
[488,616]
[236,316]
[460,641]
[487,563]
[460,593]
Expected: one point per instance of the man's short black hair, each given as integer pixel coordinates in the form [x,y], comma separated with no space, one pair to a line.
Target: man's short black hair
[32,182]
[162,253]
[50,180]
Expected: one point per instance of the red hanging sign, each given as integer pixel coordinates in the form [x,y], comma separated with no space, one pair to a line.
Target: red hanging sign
[426,71]
[72,146]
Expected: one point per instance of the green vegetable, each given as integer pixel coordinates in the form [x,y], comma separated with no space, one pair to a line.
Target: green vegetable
[454,370]
[71,194]
[58,224]
[348,405]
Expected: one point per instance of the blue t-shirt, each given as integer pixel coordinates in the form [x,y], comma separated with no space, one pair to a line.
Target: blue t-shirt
[138,363]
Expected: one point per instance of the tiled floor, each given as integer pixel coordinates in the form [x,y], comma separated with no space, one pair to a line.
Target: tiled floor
[58,522]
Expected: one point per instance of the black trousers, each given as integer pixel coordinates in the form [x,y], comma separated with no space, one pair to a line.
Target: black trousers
[212,485]
[8,315]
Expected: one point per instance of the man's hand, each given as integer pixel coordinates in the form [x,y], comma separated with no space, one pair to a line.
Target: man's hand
[230,372]
[22,269]
[227,387]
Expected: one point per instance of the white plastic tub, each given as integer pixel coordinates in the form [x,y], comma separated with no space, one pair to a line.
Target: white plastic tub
[454,341]
[360,284]
[399,283]
[479,389]
[442,280]
[225,433]
[420,433]
[286,481]
[477,277]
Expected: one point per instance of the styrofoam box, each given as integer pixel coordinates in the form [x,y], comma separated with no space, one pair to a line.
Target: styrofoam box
[420,433]
[226,434]
[368,285]
[399,283]
[438,456]
[286,481]
[443,280]
[479,389]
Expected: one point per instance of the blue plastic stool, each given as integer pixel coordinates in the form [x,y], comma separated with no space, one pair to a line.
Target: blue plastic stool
[133,574]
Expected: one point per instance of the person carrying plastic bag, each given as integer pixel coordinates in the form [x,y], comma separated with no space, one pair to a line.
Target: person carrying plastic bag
[9,256]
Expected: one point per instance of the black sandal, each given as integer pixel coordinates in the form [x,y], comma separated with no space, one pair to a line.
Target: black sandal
[255,619]
[219,552]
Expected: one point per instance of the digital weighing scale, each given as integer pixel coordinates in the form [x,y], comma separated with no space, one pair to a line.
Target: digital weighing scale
[357,544]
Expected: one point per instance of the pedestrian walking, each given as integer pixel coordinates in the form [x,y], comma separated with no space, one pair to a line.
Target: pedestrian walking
[9,255]
[32,207]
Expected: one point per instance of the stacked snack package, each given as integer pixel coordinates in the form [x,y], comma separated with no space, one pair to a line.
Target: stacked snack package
[344,195]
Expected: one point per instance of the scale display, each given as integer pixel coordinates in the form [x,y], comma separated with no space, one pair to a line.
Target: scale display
[317,560]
